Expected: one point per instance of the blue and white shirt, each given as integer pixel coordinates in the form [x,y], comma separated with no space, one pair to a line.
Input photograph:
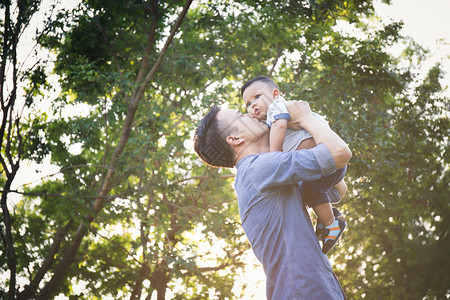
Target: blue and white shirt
[277,110]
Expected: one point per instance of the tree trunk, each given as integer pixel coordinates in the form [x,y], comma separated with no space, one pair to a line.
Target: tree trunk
[9,243]
[31,289]
[63,266]
[137,288]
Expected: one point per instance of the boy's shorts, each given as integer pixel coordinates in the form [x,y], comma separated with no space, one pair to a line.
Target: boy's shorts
[317,192]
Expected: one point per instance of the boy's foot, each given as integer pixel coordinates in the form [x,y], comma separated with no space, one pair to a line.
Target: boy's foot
[319,227]
[319,230]
[337,213]
[332,234]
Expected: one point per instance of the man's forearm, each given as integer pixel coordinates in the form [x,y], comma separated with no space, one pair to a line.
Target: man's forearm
[323,134]
[301,117]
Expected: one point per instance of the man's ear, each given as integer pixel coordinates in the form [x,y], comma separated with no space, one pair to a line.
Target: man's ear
[275,94]
[234,140]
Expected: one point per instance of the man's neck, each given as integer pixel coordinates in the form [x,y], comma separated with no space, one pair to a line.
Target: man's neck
[250,149]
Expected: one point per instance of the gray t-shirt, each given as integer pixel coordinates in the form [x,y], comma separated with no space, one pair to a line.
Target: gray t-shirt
[295,137]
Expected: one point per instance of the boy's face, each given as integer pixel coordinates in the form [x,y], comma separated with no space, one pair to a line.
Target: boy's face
[257,98]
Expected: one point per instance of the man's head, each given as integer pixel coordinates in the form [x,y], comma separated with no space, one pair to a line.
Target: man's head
[258,93]
[223,136]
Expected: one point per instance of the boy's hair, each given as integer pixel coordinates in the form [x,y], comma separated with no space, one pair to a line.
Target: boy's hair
[210,142]
[261,78]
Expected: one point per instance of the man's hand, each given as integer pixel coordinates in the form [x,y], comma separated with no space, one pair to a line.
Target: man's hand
[299,112]
[302,117]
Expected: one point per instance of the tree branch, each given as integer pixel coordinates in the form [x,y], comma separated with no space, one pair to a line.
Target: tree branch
[67,259]
[222,265]
[108,43]
[150,41]
[151,74]
[53,195]
[221,176]
[4,60]
[280,51]
[31,289]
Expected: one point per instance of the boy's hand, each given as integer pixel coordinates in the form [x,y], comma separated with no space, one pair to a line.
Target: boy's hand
[300,113]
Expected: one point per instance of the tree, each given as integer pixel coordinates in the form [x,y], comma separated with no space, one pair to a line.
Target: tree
[135,213]
[18,126]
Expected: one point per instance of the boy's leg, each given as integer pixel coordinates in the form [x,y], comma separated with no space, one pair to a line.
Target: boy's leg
[341,188]
[316,194]
[336,192]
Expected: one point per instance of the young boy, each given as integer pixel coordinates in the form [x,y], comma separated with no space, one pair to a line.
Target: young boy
[262,100]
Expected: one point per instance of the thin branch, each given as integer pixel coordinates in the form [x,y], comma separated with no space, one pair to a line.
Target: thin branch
[132,108]
[118,246]
[85,165]
[222,176]
[110,46]
[8,137]
[222,265]
[54,195]
[5,166]
[280,51]
[44,30]
[151,74]
[64,169]
[150,42]
[4,60]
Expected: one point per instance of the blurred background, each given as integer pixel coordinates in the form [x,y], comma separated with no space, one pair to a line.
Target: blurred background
[103,196]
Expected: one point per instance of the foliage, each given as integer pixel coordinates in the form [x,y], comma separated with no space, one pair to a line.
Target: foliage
[135,213]
[397,207]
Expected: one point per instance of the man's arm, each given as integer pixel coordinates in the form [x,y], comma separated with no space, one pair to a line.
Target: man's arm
[301,117]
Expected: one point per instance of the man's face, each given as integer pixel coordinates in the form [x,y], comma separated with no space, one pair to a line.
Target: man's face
[257,98]
[242,125]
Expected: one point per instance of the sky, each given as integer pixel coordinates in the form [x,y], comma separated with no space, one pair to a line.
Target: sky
[425,21]
[428,23]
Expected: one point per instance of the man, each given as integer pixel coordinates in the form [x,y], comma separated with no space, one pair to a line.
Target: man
[272,213]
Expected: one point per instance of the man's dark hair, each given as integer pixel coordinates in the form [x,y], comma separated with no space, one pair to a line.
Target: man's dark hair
[210,142]
[260,78]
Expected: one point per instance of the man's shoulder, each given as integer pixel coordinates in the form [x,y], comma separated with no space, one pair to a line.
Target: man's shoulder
[261,161]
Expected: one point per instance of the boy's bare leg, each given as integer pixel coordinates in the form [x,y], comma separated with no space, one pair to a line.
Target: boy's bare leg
[324,213]
[341,187]
[307,144]
[329,228]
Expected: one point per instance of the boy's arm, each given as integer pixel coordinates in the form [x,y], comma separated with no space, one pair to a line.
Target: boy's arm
[277,135]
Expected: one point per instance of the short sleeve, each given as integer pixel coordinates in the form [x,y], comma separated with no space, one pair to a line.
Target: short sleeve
[277,110]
